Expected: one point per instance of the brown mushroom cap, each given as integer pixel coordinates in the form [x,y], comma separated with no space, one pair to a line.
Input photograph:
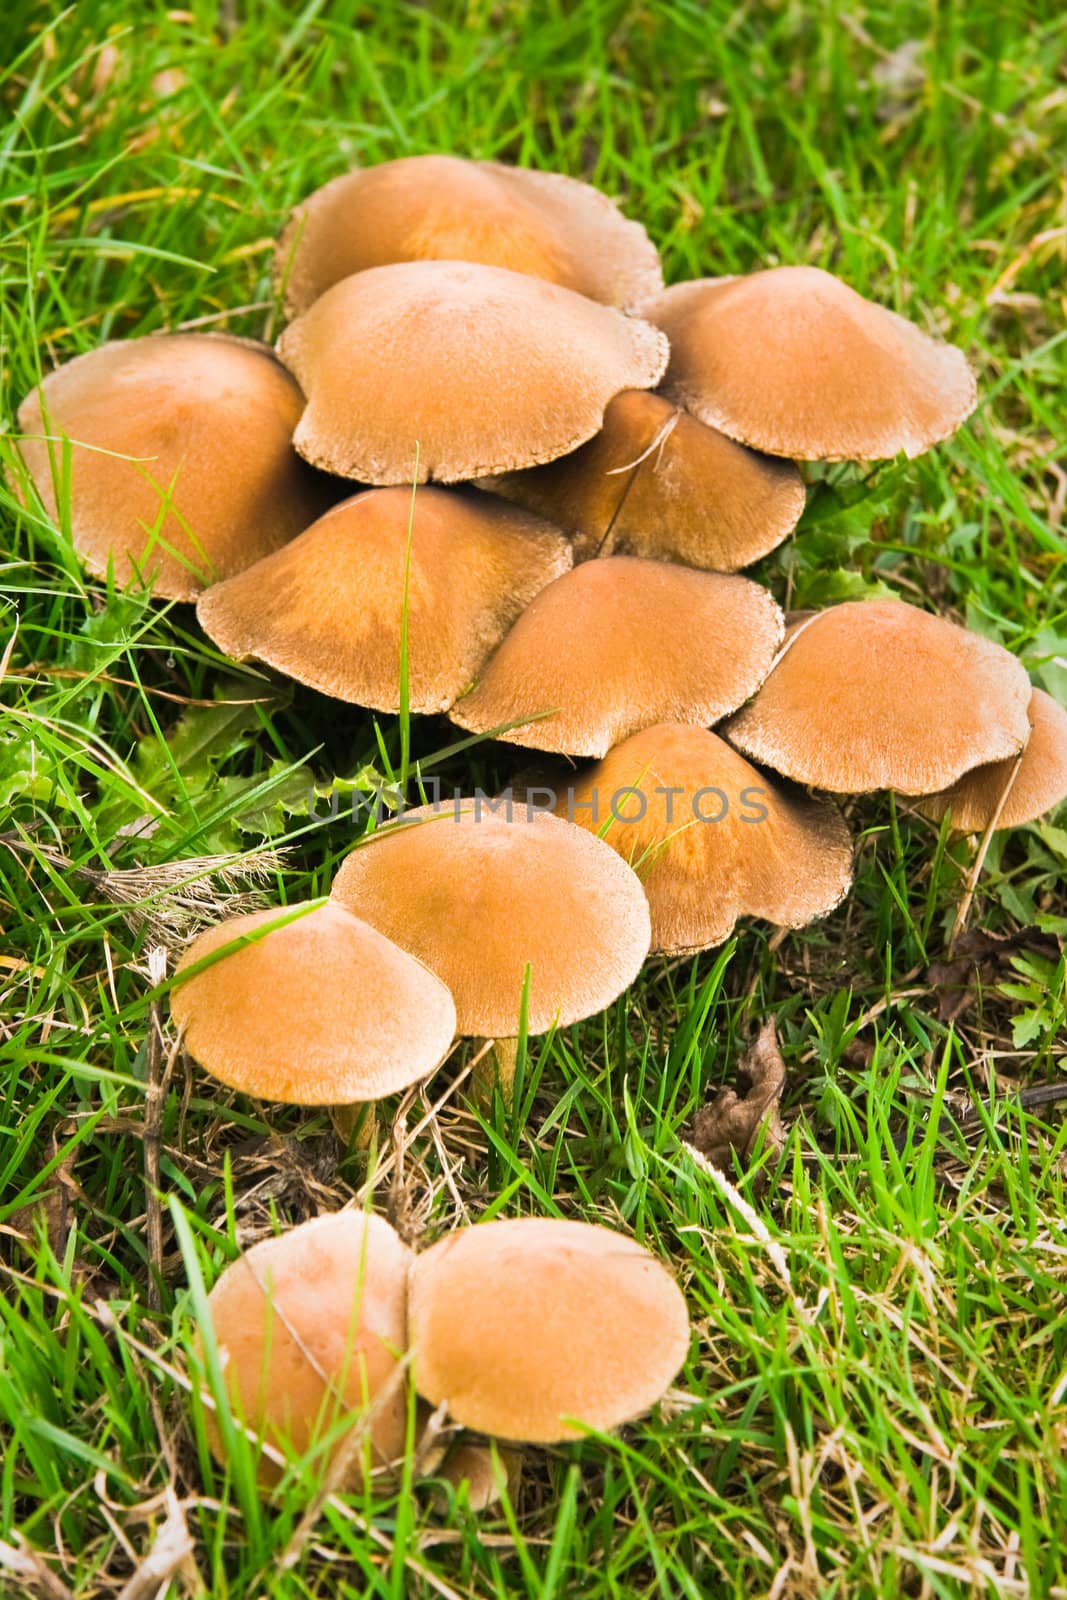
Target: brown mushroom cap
[425,208]
[616,645]
[875,694]
[1035,784]
[320,1010]
[182,467]
[655,482]
[310,1328]
[328,609]
[533,1329]
[794,362]
[480,894]
[711,837]
[485,370]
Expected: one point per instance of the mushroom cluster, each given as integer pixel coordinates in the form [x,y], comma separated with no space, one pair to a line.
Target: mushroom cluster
[614,451]
[534,1331]
[595,456]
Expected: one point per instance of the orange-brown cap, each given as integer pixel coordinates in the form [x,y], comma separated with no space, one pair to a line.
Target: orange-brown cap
[483,369]
[655,482]
[329,608]
[318,1010]
[1029,786]
[794,362]
[535,1329]
[311,1328]
[616,645]
[875,694]
[443,208]
[482,890]
[181,466]
[711,837]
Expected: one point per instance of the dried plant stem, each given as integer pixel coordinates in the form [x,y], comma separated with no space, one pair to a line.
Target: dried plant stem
[975,871]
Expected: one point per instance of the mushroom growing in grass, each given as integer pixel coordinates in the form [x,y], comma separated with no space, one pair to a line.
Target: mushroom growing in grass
[444,208]
[174,455]
[616,645]
[794,362]
[310,1330]
[1006,794]
[537,1330]
[441,578]
[875,694]
[463,371]
[711,837]
[505,904]
[655,482]
[312,1007]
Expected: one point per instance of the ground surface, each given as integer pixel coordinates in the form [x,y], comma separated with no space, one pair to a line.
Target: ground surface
[875,1404]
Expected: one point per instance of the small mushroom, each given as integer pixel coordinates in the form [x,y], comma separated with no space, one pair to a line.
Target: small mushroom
[794,362]
[329,609]
[461,371]
[616,645]
[655,482]
[485,1471]
[181,467]
[1008,793]
[437,207]
[711,837]
[536,1329]
[492,895]
[875,694]
[311,1330]
[318,1010]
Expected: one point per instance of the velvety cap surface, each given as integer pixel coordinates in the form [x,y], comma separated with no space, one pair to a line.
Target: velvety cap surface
[181,463]
[482,369]
[321,1010]
[532,1329]
[794,362]
[424,208]
[1030,787]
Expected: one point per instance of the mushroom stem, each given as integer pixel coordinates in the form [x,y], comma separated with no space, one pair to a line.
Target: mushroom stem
[356,1125]
[494,1068]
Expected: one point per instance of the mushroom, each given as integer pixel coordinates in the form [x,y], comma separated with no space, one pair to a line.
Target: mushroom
[537,1330]
[462,371]
[794,362]
[655,482]
[311,1332]
[501,900]
[181,468]
[711,837]
[484,1471]
[315,1010]
[616,645]
[444,208]
[1005,794]
[443,579]
[875,694]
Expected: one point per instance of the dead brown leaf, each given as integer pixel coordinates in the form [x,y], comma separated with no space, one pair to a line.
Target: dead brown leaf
[741,1122]
[978,961]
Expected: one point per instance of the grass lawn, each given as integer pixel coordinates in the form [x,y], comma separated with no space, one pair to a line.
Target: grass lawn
[876,1398]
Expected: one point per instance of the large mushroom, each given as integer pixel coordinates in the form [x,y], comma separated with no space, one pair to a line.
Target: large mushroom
[450,370]
[174,454]
[310,1006]
[444,208]
[310,1329]
[537,1330]
[616,645]
[655,482]
[711,837]
[1006,794]
[500,901]
[794,362]
[442,579]
[876,694]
